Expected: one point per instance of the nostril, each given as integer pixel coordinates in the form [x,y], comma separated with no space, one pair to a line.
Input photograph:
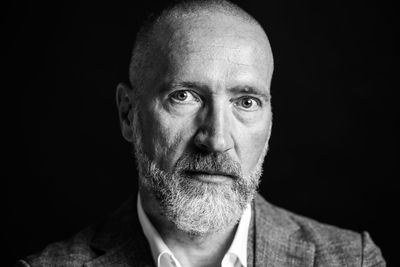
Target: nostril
[203,146]
[200,143]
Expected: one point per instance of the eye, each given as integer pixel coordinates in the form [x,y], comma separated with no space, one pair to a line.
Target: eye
[248,103]
[183,97]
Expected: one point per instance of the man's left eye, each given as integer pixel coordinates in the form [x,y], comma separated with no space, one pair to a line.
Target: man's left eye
[248,103]
[183,96]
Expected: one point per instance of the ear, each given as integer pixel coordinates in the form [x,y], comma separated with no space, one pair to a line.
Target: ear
[124,97]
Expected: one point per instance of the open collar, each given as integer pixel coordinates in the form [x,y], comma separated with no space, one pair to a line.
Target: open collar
[238,248]
[272,239]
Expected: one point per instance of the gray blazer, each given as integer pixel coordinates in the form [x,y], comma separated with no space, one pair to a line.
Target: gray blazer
[276,238]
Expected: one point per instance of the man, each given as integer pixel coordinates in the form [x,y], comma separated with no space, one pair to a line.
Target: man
[198,113]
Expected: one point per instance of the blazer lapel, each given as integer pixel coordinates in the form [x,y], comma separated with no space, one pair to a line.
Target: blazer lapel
[121,240]
[272,239]
[130,254]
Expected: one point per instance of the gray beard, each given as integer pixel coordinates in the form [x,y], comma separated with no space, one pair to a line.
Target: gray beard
[194,207]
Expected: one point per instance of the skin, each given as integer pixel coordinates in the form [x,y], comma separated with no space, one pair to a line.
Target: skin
[210,93]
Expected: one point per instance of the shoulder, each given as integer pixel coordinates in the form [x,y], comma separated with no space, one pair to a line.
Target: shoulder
[71,252]
[330,242]
[115,239]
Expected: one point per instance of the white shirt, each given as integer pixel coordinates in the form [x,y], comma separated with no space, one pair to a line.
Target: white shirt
[236,256]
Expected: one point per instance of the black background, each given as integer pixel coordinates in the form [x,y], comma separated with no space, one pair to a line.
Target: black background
[334,147]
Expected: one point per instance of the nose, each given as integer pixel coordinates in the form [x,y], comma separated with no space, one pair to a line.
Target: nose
[214,134]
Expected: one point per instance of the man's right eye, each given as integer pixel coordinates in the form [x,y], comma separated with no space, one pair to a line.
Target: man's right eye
[184,97]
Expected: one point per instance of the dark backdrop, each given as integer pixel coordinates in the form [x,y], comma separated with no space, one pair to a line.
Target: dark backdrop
[334,149]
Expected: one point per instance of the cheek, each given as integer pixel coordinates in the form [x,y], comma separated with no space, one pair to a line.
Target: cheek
[253,144]
[165,137]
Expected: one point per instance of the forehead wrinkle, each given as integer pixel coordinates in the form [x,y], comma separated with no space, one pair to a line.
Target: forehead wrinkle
[194,41]
[219,49]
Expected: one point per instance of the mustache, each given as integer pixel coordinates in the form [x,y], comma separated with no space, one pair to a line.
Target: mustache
[212,163]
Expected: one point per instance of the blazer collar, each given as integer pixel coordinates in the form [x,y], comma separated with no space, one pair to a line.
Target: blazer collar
[273,240]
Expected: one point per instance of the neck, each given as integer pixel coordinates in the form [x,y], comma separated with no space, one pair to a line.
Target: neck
[207,250]
[190,250]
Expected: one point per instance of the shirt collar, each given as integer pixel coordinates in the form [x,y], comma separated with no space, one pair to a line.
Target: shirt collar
[160,251]
[239,243]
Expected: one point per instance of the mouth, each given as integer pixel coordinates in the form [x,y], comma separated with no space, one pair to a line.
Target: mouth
[210,177]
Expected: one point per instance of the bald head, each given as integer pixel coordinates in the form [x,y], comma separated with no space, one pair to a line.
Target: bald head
[188,25]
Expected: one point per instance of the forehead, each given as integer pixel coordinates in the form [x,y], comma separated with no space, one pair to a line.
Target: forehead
[196,29]
[208,45]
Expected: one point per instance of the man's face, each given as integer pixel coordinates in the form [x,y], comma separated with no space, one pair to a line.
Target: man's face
[212,95]
[205,119]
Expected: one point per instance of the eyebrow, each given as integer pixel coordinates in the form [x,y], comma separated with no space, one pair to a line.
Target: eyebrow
[188,85]
[251,90]
[237,89]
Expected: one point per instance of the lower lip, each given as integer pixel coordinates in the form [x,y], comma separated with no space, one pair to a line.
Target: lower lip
[210,178]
